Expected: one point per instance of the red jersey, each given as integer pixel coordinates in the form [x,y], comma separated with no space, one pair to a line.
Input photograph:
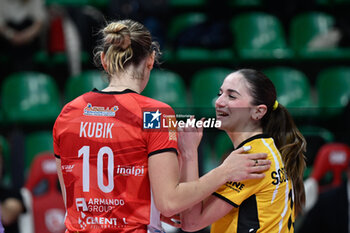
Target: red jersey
[104,140]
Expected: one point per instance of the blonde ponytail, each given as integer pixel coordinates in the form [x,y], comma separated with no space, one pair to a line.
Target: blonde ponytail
[117,38]
[124,42]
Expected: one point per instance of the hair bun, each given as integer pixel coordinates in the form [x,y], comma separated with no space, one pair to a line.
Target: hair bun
[117,34]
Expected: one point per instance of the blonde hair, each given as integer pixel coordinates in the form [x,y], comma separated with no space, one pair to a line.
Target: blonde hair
[125,42]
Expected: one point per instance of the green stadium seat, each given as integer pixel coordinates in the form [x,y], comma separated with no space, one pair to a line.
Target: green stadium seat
[35,143]
[347,2]
[84,82]
[168,87]
[293,90]
[223,146]
[208,159]
[2,117]
[68,2]
[259,36]
[194,54]
[30,97]
[6,163]
[323,2]
[307,26]
[187,3]
[205,86]
[333,89]
[245,3]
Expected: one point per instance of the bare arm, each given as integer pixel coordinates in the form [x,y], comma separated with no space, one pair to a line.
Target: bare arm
[172,196]
[210,210]
[60,178]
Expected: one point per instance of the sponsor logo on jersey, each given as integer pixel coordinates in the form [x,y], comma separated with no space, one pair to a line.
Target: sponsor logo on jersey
[236,186]
[67,168]
[172,135]
[130,170]
[90,110]
[151,120]
[99,205]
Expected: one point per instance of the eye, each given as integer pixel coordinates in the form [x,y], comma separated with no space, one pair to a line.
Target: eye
[232,97]
[219,94]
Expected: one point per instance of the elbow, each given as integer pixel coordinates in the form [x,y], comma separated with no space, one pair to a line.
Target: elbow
[189,225]
[168,207]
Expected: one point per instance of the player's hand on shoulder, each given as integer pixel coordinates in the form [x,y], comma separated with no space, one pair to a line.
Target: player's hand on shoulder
[241,166]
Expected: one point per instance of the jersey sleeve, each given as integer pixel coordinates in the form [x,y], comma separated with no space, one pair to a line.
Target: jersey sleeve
[56,147]
[165,138]
[58,126]
[235,193]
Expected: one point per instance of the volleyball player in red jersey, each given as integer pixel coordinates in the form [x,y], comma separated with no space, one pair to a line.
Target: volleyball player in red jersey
[116,174]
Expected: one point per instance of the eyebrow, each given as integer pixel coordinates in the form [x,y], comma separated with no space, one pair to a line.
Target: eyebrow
[231,90]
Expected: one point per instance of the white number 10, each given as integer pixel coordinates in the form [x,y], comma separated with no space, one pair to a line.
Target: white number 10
[85,151]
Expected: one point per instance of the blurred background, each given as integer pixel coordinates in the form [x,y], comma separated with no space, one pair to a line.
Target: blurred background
[46,60]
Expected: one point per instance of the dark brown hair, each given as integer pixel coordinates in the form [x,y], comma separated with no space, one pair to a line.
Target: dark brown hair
[279,124]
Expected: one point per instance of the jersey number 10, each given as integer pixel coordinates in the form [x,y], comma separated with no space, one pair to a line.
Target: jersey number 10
[85,151]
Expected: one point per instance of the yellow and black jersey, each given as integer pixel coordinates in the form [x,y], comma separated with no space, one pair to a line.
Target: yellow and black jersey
[261,205]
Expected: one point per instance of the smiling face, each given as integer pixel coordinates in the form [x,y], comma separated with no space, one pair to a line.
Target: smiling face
[234,108]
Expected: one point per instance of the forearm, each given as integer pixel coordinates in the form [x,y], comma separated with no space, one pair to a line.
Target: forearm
[60,179]
[177,197]
[188,194]
[190,172]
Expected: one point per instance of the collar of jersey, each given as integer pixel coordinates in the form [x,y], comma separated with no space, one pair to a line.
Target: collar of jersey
[252,138]
[114,92]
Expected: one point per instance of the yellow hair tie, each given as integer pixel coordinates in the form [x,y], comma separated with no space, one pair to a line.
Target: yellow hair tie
[275,105]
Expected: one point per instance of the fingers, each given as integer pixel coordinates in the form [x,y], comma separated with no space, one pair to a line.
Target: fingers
[259,169]
[257,156]
[241,150]
[255,176]
[191,128]
[259,162]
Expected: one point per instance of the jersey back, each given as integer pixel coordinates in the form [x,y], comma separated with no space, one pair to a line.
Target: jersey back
[104,149]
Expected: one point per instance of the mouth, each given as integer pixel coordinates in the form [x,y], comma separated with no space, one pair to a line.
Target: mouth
[221,114]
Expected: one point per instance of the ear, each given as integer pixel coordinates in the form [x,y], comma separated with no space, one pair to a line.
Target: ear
[150,60]
[104,65]
[258,112]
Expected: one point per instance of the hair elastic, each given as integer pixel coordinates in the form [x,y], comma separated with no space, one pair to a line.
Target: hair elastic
[275,105]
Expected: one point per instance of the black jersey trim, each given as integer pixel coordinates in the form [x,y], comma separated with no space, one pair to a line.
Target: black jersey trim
[57,156]
[114,92]
[248,216]
[226,200]
[162,150]
[252,138]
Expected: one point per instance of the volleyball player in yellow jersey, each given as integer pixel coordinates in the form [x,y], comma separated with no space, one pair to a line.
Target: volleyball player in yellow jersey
[251,116]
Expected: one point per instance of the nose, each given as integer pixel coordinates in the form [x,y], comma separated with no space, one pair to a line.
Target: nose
[220,102]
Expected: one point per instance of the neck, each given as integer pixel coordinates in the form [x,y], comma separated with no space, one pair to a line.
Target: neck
[124,82]
[238,137]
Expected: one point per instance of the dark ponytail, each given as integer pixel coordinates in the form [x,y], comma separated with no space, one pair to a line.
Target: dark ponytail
[292,145]
[278,123]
